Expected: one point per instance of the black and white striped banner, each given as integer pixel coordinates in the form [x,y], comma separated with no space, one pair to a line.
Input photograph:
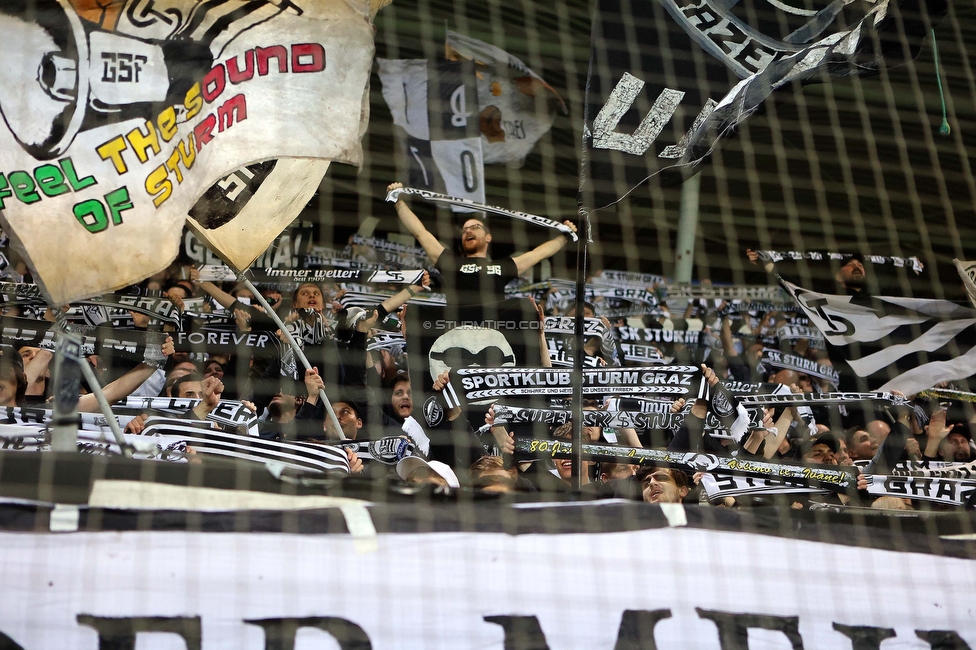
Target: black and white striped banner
[616,293]
[215,340]
[155,307]
[754,306]
[815,399]
[797,332]
[934,469]
[434,197]
[162,309]
[21,290]
[227,413]
[563,358]
[631,310]
[357,297]
[140,346]
[641,404]
[627,279]
[41,418]
[505,414]
[662,414]
[947,491]
[295,455]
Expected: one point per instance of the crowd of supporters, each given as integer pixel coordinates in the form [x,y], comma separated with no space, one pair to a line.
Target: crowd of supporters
[373,396]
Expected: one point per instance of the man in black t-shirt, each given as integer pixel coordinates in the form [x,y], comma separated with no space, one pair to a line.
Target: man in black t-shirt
[466,331]
[475,238]
[474,281]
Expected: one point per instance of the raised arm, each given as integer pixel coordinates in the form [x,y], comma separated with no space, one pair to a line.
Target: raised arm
[767,265]
[431,246]
[35,369]
[526,261]
[124,385]
[212,389]
[223,298]
[393,303]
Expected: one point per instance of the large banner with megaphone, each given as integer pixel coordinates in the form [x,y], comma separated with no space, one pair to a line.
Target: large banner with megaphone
[119,115]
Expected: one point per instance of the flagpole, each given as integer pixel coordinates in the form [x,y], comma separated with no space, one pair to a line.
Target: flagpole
[294,346]
[66,375]
[96,389]
[584,198]
[687,227]
[106,409]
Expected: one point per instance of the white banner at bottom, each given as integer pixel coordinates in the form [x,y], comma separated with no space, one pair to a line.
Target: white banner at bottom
[673,588]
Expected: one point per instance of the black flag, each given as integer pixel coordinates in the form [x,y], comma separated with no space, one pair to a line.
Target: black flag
[669,78]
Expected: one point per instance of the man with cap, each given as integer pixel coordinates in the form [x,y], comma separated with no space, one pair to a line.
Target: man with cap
[956,446]
[821,450]
[281,411]
[350,417]
[414,469]
[851,274]
[948,442]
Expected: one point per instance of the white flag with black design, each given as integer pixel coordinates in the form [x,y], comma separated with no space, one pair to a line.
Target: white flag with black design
[117,118]
[967,272]
[242,214]
[889,343]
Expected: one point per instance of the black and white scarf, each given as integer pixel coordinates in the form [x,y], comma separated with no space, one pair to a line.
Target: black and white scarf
[817,256]
[777,359]
[280,276]
[487,383]
[820,475]
[434,197]
[713,292]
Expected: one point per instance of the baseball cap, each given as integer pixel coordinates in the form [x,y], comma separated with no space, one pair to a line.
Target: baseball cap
[825,438]
[406,466]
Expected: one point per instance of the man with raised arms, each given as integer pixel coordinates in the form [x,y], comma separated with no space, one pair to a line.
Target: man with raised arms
[474,278]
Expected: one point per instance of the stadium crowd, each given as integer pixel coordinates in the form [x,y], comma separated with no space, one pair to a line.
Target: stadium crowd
[364,359]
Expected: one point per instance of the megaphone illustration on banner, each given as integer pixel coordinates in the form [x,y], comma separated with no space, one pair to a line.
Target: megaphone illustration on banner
[77,76]
[43,104]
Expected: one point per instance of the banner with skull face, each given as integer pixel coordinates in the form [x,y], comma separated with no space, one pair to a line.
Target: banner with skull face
[119,115]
